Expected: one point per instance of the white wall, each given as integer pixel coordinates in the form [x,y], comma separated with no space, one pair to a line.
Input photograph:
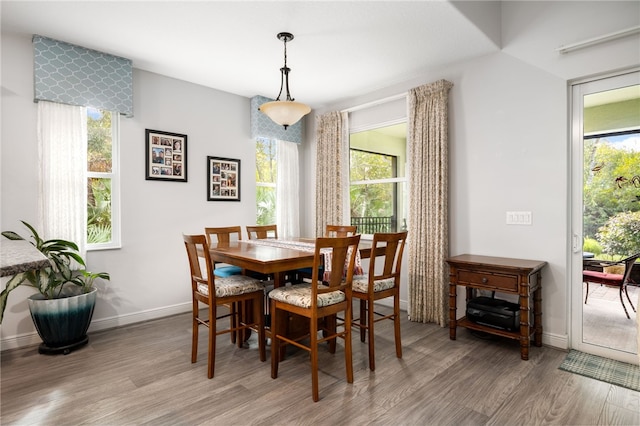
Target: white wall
[149,274]
[500,161]
[509,138]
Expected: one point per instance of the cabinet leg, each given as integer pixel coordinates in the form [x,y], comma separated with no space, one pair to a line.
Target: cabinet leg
[537,315]
[452,307]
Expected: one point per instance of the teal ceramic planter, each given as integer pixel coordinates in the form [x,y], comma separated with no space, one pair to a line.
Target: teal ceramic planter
[62,323]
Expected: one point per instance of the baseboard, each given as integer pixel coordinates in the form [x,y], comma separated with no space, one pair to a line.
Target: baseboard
[31,339]
[559,341]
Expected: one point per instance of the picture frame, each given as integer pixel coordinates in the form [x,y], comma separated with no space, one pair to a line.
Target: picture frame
[166,156]
[223,179]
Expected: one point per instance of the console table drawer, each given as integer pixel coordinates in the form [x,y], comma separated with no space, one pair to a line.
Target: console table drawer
[497,281]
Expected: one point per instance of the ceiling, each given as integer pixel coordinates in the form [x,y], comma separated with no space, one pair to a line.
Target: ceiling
[342,49]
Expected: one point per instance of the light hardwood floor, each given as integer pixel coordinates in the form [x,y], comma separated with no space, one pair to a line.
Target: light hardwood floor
[142,374]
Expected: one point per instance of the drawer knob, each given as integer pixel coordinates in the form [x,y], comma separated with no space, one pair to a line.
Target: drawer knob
[484,280]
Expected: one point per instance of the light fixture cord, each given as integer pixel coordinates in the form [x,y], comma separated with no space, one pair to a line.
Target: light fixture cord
[284,75]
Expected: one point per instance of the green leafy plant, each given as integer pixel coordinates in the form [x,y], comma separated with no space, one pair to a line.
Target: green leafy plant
[592,245]
[621,234]
[67,267]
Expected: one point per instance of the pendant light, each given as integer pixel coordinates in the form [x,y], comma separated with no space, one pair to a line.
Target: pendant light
[286,112]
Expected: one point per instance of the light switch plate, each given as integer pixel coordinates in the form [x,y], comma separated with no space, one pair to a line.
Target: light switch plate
[518,218]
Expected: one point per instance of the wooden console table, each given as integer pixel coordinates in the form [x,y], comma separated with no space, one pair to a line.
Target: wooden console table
[503,275]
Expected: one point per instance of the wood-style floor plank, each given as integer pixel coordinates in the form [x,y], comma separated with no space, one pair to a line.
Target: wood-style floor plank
[142,374]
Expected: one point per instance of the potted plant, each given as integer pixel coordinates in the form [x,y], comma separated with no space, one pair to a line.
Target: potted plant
[63,307]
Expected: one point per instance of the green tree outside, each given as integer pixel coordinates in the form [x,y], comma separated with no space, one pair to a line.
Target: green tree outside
[371,200]
[611,192]
[266,173]
[99,159]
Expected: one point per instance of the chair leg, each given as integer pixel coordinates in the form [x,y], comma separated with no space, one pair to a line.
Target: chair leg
[194,337]
[313,345]
[587,293]
[628,298]
[622,301]
[232,320]
[212,341]
[371,320]
[331,324]
[275,342]
[258,318]
[396,324]
[363,320]
[348,354]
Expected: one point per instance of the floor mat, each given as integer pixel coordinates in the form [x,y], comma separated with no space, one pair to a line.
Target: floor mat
[603,369]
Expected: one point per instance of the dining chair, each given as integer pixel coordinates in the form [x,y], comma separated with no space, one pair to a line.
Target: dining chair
[261,232]
[215,292]
[324,298]
[613,280]
[330,231]
[380,285]
[224,235]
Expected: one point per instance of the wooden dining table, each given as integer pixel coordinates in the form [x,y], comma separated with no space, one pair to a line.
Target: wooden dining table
[275,260]
[271,259]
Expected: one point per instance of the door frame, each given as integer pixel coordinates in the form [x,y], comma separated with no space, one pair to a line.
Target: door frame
[577,90]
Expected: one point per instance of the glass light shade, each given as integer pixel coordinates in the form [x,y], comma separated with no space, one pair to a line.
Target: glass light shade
[285,113]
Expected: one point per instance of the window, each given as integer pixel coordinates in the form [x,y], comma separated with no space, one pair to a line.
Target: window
[103,224]
[377,192]
[266,171]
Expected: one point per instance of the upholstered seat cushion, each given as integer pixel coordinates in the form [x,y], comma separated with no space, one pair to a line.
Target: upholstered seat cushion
[602,277]
[233,286]
[300,295]
[361,284]
[227,271]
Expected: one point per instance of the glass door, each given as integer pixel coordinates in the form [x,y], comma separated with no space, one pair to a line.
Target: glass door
[605,200]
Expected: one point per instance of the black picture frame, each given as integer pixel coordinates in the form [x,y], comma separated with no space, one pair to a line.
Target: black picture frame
[165,156]
[223,179]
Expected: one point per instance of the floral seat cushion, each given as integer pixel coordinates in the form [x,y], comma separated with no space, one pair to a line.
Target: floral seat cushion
[361,284]
[300,295]
[233,285]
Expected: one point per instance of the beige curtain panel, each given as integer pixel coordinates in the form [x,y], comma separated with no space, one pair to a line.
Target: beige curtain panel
[332,173]
[428,242]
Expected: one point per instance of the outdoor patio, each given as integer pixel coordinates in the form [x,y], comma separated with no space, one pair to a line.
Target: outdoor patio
[605,323]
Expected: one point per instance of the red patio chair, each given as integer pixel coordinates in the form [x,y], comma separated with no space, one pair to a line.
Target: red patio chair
[613,280]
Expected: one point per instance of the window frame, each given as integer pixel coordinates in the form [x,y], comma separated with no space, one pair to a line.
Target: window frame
[262,184]
[114,175]
[396,180]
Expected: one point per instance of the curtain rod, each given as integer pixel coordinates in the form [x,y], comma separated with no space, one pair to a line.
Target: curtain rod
[375,103]
[600,39]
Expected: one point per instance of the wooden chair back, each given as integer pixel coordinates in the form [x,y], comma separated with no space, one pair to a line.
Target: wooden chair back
[343,259]
[196,245]
[340,230]
[393,245]
[261,232]
[223,234]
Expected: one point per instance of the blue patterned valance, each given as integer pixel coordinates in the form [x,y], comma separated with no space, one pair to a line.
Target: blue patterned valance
[75,75]
[263,127]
